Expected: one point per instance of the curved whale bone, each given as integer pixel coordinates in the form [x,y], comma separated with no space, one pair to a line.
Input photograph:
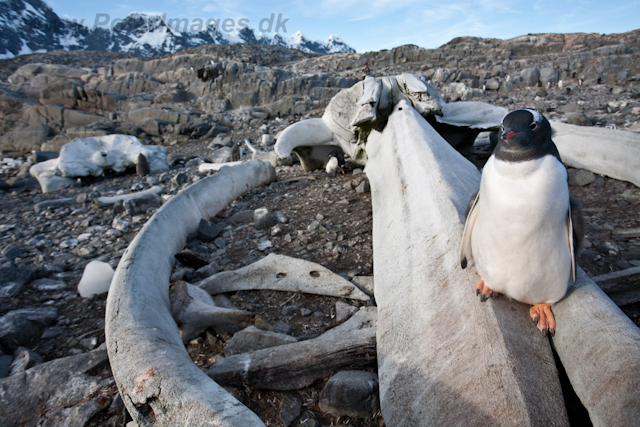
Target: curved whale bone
[440,348]
[158,381]
[609,152]
[283,273]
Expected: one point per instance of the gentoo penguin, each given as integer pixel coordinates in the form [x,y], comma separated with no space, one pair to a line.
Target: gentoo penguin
[334,162]
[235,154]
[523,229]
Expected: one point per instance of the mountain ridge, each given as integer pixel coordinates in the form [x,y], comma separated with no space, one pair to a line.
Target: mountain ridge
[31,26]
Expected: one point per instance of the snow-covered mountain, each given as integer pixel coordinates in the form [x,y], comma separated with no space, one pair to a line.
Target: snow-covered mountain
[29,26]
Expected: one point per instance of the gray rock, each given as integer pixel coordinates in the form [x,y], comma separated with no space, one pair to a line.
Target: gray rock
[5,365]
[581,177]
[208,231]
[62,386]
[363,187]
[12,280]
[282,328]
[262,218]
[351,393]
[21,327]
[289,409]
[492,84]
[578,119]
[52,332]
[344,311]
[180,178]
[12,252]
[23,359]
[530,76]
[252,338]
[313,226]
[139,205]
[208,270]
[548,75]
[242,217]
[47,285]
[280,217]
[57,203]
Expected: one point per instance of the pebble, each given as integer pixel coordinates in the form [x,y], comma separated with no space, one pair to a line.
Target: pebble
[289,409]
[208,231]
[351,393]
[262,218]
[581,177]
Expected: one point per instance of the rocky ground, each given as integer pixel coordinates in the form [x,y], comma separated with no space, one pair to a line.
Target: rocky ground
[45,247]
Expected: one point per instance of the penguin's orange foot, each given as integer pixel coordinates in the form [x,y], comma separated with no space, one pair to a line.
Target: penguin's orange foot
[542,315]
[484,292]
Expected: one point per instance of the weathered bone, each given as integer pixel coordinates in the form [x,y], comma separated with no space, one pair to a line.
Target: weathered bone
[444,358]
[599,347]
[283,273]
[297,365]
[105,201]
[609,152]
[194,311]
[158,381]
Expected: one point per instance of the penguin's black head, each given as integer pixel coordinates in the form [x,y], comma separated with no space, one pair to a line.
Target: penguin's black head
[525,135]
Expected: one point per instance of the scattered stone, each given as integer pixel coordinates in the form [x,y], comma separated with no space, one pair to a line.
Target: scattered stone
[304,312]
[581,177]
[62,386]
[21,327]
[262,218]
[58,203]
[313,226]
[579,119]
[120,224]
[12,280]
[364,187]
[282,328]
[289,409]
[191,259]
[279,217]
[344,311]
[23,359]
[242,217]
[351,393]
[180,178]
[52,332]
[208,231]
[96,279]
[5,364]
[140,205]
[48,285]
[263,245]
[252,338]
[12,252]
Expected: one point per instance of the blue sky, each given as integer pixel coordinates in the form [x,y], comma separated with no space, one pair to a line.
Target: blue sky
[369,25]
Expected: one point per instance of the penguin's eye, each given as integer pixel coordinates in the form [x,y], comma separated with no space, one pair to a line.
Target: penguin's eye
[502,128]
[533,126]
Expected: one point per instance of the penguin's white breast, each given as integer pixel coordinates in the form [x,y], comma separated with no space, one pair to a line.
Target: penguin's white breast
[519,241]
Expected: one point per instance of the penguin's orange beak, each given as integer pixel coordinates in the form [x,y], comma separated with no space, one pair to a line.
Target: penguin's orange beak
[509,135]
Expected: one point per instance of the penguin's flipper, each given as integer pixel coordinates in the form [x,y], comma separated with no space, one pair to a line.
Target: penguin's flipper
[569,231]
[471,215]
[575,231]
